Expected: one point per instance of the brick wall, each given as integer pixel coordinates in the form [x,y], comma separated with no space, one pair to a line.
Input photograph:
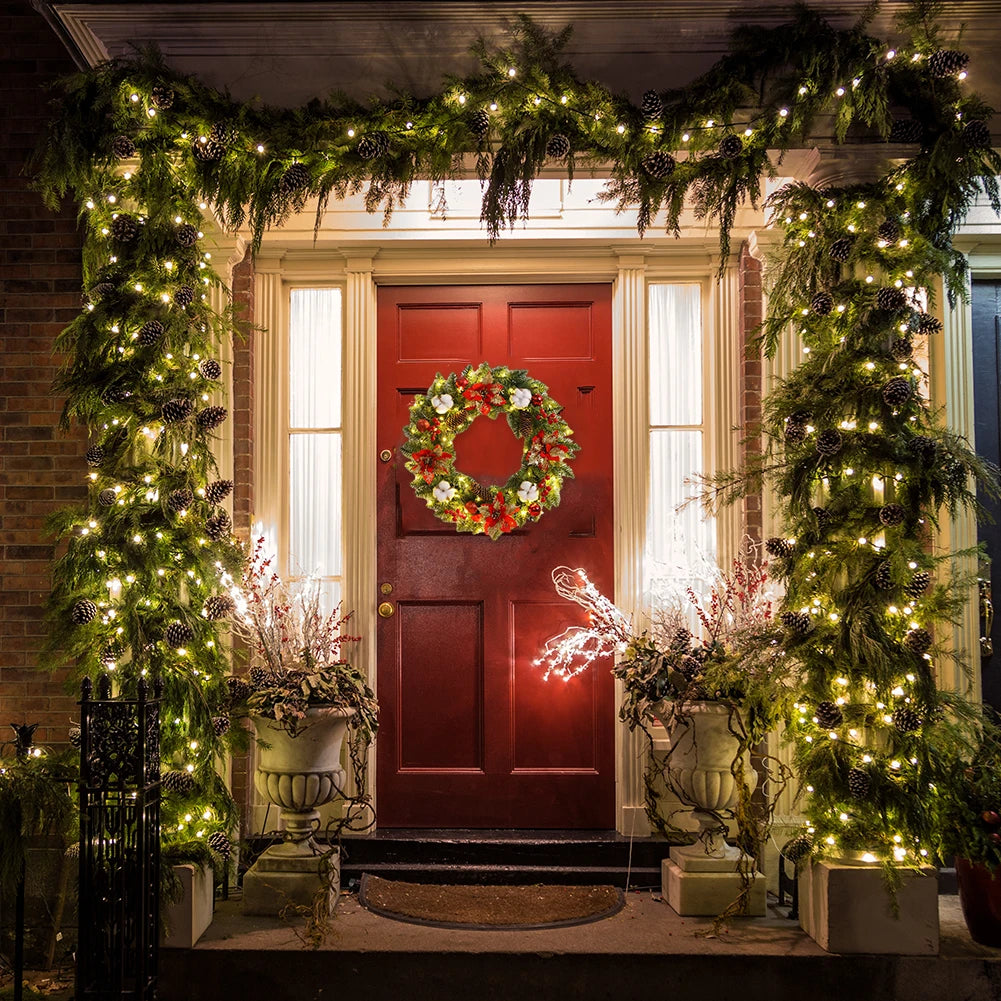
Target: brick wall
[41,468]
[751,312]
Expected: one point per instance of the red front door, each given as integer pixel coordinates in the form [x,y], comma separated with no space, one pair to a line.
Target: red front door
[470,735]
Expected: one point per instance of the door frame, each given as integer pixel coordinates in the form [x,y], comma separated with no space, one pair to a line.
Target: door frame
[628,267]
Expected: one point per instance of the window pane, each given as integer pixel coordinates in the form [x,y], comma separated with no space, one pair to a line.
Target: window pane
[315,504]
[314,358]
[681,545]
[675,325]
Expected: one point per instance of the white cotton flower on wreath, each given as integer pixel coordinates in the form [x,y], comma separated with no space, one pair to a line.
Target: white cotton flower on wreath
[528,492]
[444,492]
[442,404]
[521,398]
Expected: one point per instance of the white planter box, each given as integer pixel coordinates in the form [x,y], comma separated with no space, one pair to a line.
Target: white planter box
[192,914]
[847,908]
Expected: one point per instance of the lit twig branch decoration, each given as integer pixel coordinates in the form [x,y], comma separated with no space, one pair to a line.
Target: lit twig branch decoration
[577,647]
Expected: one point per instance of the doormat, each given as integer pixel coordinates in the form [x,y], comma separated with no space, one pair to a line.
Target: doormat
[489,908]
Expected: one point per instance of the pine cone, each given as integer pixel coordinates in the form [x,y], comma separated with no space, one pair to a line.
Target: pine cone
[218,490]
[221,725]
[652,106]
[150,333]
[106,497]
[162,96]
[822,303]
[82,612]
[558,147]
[778,547]
[124,228]
[890,298]
[891,515]
[841,249]
[208,150]
[923,446]
[905,719]
[180,500]
[795,434]
[478,122]
[897,392]
[889,231]
[219,843]
[176,410]
[95,455]
[185,295]
[296,178]
[947,62]
[822,515]
[123,147]
[906,130]
[111,652]
[217,527]
[218,607]
[223,133]
[178,634]
[884,576]
[830,442]
[75,736]
[682,639]
[181,783]
[372,145]
[186,235]
[731,146]
[258,677]
[902,349]
[211,417]
[238,690]
[918,584]
[210,368]
[928,324]
[659,164]
[828,715]
[798,848]
[800,623]
[115,394]
[859,783]
[917,640]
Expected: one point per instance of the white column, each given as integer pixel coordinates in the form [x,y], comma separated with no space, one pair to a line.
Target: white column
[271,423]
[951,377]
[360,587]
[724,451]
[631,407]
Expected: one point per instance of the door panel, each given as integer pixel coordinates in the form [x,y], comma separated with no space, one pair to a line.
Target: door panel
[470,735]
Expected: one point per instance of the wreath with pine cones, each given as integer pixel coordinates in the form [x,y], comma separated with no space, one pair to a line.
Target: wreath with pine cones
[448,408]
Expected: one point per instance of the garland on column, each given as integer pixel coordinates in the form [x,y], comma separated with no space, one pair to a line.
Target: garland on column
[145,150]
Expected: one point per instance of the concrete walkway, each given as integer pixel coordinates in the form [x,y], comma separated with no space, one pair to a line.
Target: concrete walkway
[644,951]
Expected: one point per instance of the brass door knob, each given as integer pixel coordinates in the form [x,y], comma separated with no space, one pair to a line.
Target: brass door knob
[386,454]
[386,609]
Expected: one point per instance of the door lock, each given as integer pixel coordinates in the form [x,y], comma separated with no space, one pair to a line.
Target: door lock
[386,454]
[387,609]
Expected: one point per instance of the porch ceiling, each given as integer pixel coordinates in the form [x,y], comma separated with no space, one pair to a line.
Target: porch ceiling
[286,53]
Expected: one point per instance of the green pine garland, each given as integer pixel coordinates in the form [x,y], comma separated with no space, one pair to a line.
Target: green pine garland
[143,149]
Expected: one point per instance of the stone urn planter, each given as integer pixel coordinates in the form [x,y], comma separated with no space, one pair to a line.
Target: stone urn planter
[980,897]
[703,878]
[297,773]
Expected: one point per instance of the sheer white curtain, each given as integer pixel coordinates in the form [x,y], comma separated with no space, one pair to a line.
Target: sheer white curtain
[681,541]
[314,438]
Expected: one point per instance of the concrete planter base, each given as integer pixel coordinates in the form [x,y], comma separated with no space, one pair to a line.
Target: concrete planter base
[285,875]
[847,909]
[705,887]
[192,914]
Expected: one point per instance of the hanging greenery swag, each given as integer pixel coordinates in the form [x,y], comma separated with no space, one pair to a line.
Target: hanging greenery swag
[145,150]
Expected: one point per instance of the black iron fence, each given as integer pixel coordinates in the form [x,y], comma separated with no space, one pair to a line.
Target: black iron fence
[119,844]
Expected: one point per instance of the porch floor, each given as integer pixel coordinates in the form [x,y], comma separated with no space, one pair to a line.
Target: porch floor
[644,951]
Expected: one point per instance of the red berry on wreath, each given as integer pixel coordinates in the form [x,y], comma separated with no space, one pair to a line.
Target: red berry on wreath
[995,837]
[991,817]
[423,424]
[536,399]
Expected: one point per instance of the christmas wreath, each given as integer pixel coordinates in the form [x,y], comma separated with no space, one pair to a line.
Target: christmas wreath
[449,406]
